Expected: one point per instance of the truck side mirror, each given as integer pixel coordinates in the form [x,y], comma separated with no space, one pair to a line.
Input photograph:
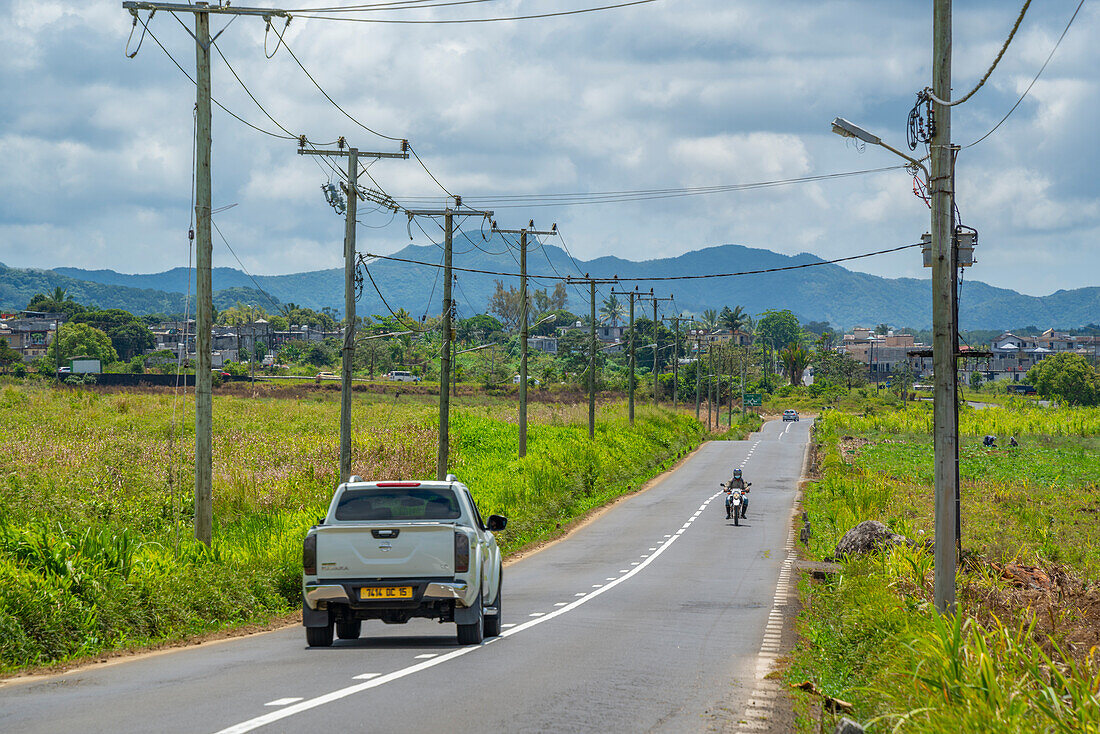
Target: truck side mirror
[497,522]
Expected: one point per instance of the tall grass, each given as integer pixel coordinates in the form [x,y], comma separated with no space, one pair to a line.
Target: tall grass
[871,635]
[95,517]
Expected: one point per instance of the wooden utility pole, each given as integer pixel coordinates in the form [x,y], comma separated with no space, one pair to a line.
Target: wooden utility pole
[204,292]
[675,360]
[347,353]
[448,214]
[945,406]
[656,339]
[591,357]
[698,364]
[529,229]
[630,386]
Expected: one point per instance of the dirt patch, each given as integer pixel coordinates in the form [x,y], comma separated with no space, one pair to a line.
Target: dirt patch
[850,447]
[1061,606]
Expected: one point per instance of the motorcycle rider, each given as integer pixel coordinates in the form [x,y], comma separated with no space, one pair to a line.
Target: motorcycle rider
[737,484]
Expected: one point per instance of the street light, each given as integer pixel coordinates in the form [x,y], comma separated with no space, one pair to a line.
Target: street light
[846,129]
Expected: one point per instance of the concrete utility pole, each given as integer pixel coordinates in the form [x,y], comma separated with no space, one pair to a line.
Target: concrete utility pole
[347,354]
[448,214]
[204,305]
[944,351]
[529,229]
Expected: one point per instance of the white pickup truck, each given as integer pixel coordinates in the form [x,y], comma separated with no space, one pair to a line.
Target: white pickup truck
[397,550]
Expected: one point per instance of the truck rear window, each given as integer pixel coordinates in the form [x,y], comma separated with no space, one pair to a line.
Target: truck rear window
[398,503]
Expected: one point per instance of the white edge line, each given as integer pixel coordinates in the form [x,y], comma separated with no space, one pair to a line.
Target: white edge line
[256,723]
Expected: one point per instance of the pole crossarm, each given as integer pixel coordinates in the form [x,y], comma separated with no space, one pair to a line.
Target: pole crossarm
[362,154]
[201,8]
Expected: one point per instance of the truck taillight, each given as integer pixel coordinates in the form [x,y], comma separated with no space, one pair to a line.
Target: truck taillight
[309,555]
[462,553]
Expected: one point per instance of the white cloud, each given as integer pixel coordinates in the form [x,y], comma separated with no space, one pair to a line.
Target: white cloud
[693,92]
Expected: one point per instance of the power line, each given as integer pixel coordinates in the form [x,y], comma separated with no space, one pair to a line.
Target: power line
[654,278]
[401,319]
[386,6]
[981,82]
[219,104]
[259,287]
[480,20]
[1037,75]
[604,197]
[294,56]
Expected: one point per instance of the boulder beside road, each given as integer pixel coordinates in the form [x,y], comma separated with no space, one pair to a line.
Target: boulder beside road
[868,536]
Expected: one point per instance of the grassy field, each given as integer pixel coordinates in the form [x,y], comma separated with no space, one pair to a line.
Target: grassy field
[96,506]
[1022,654]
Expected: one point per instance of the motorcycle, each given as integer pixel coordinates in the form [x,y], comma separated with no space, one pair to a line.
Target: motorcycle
[736,503]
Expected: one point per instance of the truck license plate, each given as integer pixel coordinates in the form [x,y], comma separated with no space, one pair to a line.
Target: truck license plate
[386,592]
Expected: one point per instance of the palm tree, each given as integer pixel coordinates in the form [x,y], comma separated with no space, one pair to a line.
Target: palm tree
[733,320]
[612,309]
[59,294]
[795,358]
[709,319]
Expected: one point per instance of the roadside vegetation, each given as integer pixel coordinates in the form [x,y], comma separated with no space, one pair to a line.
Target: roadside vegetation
[1023,652]
[96,504]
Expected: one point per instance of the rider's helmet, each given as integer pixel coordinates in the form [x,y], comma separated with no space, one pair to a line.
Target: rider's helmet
[736,473]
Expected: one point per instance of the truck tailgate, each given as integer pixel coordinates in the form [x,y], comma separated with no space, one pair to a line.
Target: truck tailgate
[420,550]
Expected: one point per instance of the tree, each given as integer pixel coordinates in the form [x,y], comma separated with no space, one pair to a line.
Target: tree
[81,340]
[8,356]
[1067,378]
[612,309]
[837,368]
[795,358]
[506,304]
[481,327]
[709,319]
[47,304]
[318,355]
[734,320]
[129,335]
[882,329]
[573,352]
[779,328]
[544,302]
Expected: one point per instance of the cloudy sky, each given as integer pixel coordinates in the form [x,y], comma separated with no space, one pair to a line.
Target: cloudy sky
[96,148]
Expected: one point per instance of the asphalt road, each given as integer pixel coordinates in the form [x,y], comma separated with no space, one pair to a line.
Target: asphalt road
[651,618]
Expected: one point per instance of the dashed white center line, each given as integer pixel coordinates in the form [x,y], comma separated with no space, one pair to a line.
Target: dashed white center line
[366,676]
[560,603]
[426,656]
[610,578]
[580,593]
[283,701]
[510,624]
[432,659]
[536,614]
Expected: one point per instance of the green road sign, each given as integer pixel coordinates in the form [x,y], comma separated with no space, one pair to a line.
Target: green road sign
[753,400]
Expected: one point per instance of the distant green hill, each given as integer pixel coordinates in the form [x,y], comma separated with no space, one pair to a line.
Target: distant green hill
[18,286]
[827,292]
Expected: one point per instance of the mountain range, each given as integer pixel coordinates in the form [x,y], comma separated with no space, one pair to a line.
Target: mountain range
[825,292]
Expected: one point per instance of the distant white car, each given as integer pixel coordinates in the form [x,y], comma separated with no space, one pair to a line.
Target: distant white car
[530,381]
[790,415]
[402,376]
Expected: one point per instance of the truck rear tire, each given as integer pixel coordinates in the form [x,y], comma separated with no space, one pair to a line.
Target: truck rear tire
[349,630]
[492,621]
[473,633]
[319,636]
